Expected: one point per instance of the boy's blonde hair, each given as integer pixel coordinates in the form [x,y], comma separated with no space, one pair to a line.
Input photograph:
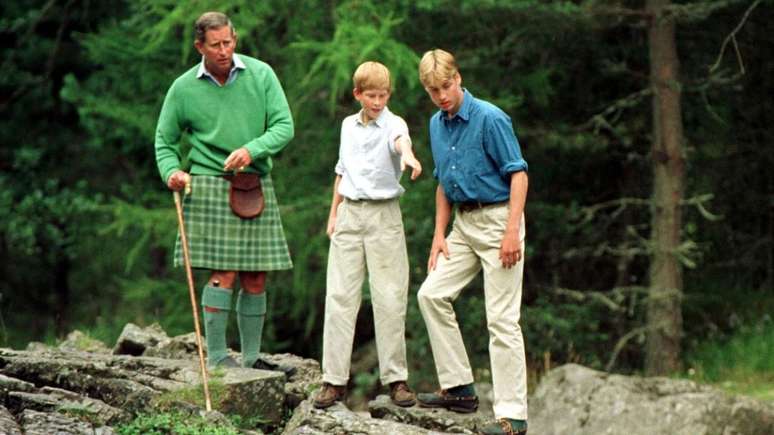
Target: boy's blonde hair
[436,67]
[371,75]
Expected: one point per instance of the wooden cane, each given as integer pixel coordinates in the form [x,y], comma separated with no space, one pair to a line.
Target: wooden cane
[191,292]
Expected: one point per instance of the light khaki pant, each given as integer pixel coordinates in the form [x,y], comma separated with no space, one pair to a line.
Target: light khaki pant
[474,244]
[369,234]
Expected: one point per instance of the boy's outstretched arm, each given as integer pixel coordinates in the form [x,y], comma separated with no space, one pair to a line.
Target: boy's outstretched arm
[407,158]
[335,201]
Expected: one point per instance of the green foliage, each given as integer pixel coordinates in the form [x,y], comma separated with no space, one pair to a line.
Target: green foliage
[364,31]
[742,362]
[173,423]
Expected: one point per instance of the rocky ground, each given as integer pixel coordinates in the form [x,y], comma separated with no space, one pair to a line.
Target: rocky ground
[83,387]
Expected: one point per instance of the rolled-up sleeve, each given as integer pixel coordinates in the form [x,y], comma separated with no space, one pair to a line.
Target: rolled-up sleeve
[503,146]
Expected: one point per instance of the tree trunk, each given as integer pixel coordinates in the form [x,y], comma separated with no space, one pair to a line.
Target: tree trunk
[664,317]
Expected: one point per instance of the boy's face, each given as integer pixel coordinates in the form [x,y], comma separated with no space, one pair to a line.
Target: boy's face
[373,101]
[447,95]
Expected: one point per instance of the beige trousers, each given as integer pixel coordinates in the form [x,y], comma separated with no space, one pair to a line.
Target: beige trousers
[368,234]
[474,244]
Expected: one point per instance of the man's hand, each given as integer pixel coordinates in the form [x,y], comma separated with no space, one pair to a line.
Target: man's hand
[178,180]
[408,159]
[438,246]
[238,160]
[510,249]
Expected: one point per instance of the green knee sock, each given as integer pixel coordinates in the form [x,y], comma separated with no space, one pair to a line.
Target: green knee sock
[215,322]
[251,312]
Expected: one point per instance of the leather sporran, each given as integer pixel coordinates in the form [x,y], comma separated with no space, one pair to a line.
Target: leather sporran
[245,195]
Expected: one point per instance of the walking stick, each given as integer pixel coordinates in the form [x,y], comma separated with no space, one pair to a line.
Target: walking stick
[189,274]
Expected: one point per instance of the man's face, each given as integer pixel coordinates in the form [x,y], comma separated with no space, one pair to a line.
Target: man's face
[373,101]
[217,49]
[447,95]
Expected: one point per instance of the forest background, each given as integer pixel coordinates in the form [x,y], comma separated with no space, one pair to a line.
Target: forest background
[87,227]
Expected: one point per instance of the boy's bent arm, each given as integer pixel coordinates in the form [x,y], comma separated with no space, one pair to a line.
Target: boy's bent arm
[335,201]
[442,217]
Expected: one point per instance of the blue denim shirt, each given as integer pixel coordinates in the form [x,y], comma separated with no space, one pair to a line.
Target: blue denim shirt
[475,152]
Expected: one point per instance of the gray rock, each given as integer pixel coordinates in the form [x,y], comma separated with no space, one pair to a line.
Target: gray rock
[134,340]
[77,341]
[437,419]
[8,384]
[8,425]
[576,400]
[178,347]
[69,403]
[37,346]
[132,384]
[339,420]
[306,378]
[254,394]
[42,423]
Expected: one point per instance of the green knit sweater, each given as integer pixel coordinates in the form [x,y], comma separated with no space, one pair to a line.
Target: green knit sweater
[249,112]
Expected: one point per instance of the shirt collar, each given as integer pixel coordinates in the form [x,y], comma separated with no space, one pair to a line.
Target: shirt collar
[380,121]
[237,64]
[465,107]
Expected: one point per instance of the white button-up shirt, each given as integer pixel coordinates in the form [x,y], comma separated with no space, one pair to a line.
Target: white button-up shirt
[369,164]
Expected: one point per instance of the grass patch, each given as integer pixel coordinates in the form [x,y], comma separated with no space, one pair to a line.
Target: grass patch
[742,363]
[173,423]
[194,395]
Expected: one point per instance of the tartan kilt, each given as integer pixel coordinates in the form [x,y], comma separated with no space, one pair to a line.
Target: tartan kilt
[220,240]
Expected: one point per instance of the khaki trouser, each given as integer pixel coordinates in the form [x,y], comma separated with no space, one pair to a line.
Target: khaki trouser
[368,234]
[474,243]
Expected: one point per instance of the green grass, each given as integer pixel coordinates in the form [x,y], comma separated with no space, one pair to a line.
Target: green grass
[172,423]
[741,364]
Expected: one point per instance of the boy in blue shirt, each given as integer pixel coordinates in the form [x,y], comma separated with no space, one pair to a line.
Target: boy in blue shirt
[482,176]
[366,231]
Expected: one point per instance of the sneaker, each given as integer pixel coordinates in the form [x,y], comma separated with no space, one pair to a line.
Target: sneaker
[401,394]
[329,394]
[505,426]
[263,364]
[444,399]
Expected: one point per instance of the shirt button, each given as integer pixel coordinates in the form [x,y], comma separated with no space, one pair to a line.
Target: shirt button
[454,148]
[454,167]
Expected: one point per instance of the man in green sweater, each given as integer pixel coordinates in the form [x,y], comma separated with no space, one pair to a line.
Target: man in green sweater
[234,112]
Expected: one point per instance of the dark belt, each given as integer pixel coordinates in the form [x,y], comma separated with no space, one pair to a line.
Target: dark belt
[369,201]
[476,205]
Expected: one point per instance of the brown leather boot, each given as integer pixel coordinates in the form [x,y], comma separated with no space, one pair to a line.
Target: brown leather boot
[329,394]
[401,394]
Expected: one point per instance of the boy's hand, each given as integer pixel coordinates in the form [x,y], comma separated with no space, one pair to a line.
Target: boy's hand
[331,226]
[510,248]
[439,247]
[408,159]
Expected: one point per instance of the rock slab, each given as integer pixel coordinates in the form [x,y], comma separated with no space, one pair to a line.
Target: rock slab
[573,399]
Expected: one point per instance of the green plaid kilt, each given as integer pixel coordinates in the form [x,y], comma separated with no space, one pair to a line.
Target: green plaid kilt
[220,240]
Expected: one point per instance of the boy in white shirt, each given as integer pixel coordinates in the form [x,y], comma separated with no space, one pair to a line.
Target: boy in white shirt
[366,231]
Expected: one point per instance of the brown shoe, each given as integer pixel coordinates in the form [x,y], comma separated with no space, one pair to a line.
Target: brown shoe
[329,394]
[401,394]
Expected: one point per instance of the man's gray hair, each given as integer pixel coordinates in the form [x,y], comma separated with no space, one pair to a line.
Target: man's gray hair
[209,21]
